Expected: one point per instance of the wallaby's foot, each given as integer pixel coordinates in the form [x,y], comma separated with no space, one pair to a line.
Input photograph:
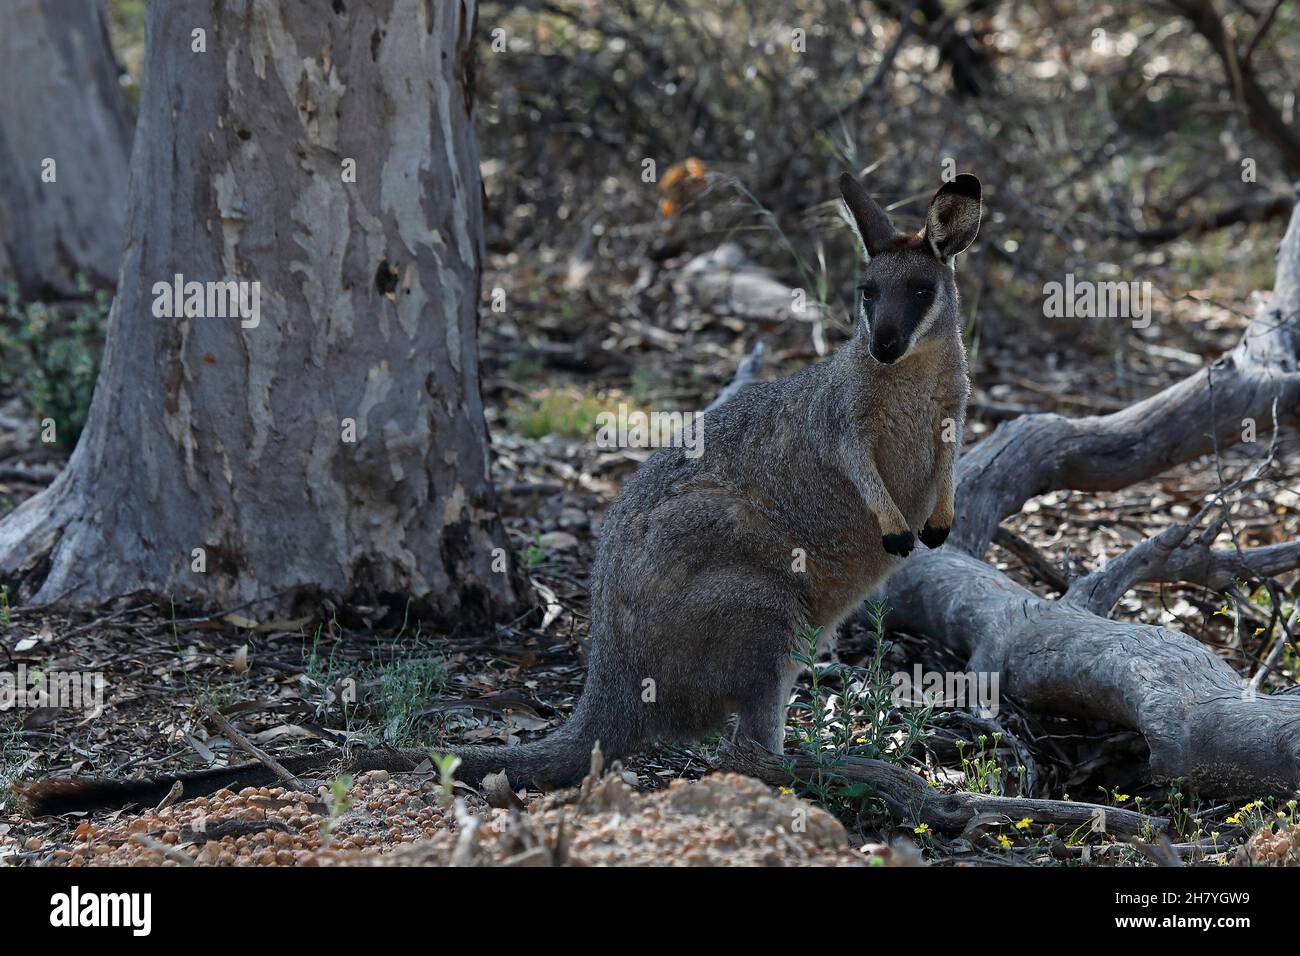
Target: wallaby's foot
[934,537]
[762,708]
[765,729]
[900,544]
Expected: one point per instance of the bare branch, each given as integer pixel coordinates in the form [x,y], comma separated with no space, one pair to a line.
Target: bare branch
[1260,209]
[1032,558]
[1204,723]
[1170,557]
[1260,32]
[218,720]
[1263,115]
[1285,639]
[911,798]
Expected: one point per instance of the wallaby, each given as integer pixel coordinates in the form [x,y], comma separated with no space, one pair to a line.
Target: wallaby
[710,568]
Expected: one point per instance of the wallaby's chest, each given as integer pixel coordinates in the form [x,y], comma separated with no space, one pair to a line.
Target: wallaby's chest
[904,438]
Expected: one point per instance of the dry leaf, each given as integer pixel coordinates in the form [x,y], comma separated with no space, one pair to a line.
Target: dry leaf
[497,792]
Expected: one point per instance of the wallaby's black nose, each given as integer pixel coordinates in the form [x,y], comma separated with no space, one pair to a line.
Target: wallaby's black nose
[887,351]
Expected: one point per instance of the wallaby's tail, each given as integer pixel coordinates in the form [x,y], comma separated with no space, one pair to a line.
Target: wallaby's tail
[44,797]
[555,761]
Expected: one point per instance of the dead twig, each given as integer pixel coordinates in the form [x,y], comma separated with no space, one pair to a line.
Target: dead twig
[173,795]
[170,852]
[1284,640]
[1034,560]
[232,828]
[218,720]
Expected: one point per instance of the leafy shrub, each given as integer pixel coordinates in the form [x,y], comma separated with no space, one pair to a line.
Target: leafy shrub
[52,358]
[858,720]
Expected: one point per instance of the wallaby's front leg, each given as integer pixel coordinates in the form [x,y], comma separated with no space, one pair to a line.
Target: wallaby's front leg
[937,526]
[896,537]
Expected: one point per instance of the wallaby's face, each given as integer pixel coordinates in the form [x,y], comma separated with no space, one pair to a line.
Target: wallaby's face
[907,295]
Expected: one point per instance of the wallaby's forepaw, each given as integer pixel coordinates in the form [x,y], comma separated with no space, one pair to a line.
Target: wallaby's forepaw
[934,537]
[900,544]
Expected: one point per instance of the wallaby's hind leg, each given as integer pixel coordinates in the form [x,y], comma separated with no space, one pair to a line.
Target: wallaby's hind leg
[761,714]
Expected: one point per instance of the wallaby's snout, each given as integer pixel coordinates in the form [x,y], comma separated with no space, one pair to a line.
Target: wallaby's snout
[888,349]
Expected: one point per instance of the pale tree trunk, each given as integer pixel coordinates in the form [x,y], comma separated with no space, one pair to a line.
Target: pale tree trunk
[216,434]
[63,117]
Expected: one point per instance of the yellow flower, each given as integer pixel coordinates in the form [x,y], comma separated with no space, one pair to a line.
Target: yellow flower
[1005,841]
[1121,797]
[786,792]
[923,829]
[1235,818]
[1024,824]
[862,740]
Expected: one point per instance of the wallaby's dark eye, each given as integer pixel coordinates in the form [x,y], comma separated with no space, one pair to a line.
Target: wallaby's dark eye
[924,290]
[869,292]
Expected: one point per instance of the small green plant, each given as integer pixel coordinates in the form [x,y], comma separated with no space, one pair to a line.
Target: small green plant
[396,691]
[1115,796]
[321,671]
[980,767]
[892,733]
[860,720]
[447,765]
[4,605]
[814,738]
[1177,810]
[208,693]
[526,367]
[533,556]
[1252,816]
[55,358]
[405,686]
[338,800]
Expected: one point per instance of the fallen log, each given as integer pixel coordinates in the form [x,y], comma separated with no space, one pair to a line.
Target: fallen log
[1201,720]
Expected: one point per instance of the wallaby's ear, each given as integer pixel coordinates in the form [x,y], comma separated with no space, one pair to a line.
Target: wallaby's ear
[869,221]
[954,216]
